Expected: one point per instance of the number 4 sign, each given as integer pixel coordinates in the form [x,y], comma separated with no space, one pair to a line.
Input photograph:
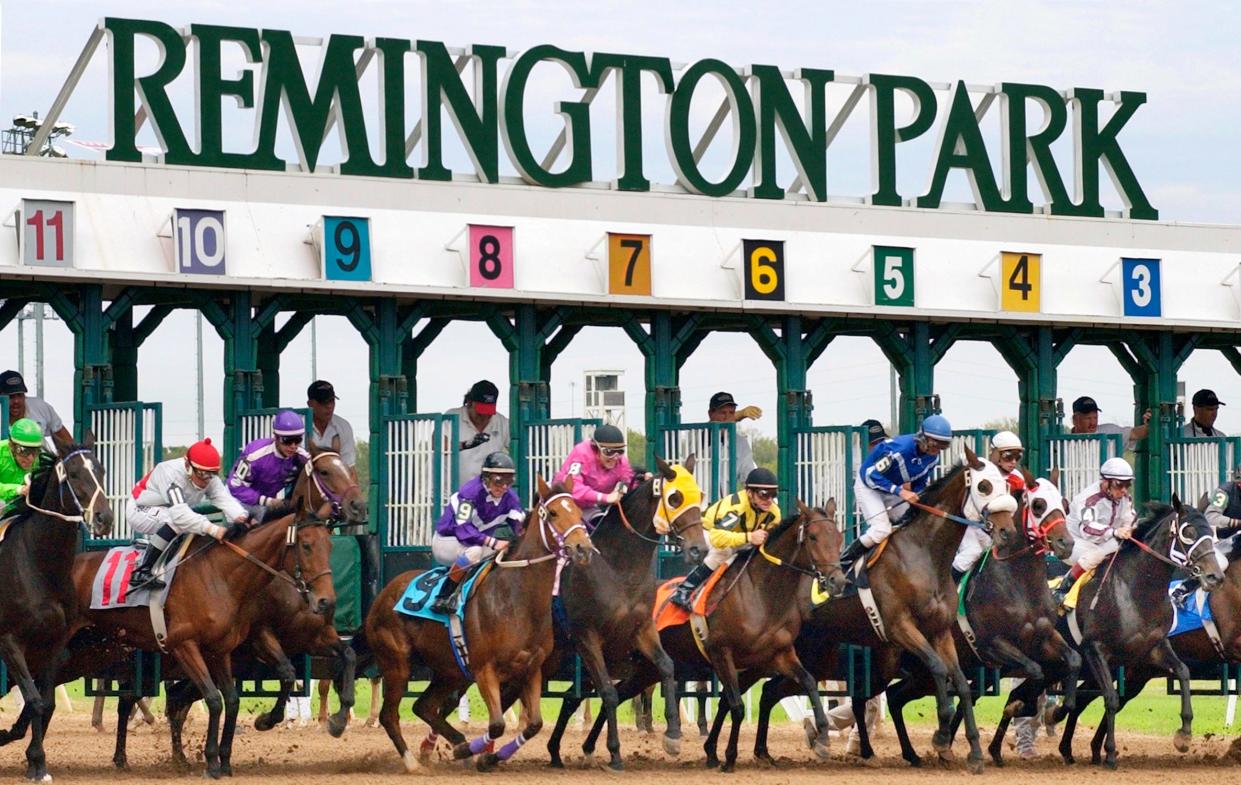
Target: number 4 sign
[894,276]
[47,233]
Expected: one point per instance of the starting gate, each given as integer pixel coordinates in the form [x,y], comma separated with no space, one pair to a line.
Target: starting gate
[714,445]
[1196,467]
[129,443]
[545,445]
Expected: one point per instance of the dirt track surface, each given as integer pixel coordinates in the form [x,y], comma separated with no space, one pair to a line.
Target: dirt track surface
[364,756]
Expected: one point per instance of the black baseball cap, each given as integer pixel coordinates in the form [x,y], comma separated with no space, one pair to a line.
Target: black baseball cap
[483,395]
[721,399]
[1203,397]
[874,431]
[11,383]
[320,391]
[1085,405]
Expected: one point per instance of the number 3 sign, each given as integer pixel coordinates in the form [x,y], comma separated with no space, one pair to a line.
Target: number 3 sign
[1142,290]
[491,256]
[346,245]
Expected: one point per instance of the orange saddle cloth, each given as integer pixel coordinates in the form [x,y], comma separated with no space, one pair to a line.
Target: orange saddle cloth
[667,614]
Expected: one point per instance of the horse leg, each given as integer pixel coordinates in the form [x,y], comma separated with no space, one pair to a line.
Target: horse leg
[1070,727]
[324,686]
[568,705]
[638,681]
[648,643]
[1133,687]
[1020,699]
[899,694]
[703,697]
[372,717]
[730,681]
[15,657]
[232,703]
[590,649]
[180,698]
[395,669]
[192,662]
[36,756]
[1162,656]
[18,731]
[488,683]
[948,652]
[268,649]
[773,690]
[345,674]
[1097,662]
[787,663]
[124,707]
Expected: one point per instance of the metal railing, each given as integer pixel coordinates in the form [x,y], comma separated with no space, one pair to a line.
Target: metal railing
[418,475]
[1078,456]
[824,467]
[1197,466]
[129,443]
[546,445]
[714,445]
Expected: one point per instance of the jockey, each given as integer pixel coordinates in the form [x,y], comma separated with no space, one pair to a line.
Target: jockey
[894,473]
[265,472]
[1006,452]
[1099,517]
[18,456]
[733,524]
[599,469]
[162,505]
[463,535]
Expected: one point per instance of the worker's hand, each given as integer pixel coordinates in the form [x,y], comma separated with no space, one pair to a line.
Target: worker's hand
[242,518]
[748,413]
[238,529]
[909,495]
[24,491]
[479,438]
[1146,416]
[757,537]
[501,545]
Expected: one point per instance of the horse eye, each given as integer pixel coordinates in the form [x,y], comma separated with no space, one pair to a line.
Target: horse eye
[984,487]
[1039,506]
[676,499]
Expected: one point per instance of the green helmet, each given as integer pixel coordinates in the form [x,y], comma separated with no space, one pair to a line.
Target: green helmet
[26,432]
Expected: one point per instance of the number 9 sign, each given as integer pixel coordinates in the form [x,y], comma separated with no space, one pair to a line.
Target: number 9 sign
[491,256]
[346,248]
[1141,287]
[764,269]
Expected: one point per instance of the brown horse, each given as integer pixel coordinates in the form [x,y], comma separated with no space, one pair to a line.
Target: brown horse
[765,595]
[508,629]
[37,606]
[214,603]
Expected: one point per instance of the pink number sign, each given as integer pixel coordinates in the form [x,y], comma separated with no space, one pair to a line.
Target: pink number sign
[491,256]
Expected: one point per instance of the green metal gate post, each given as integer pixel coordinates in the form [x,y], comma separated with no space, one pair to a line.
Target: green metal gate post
[914,355]
[243,386]
[1156,358]
[92,371]
[529,399]
[660,348]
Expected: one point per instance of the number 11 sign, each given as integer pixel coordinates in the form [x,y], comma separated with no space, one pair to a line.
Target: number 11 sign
[47,233]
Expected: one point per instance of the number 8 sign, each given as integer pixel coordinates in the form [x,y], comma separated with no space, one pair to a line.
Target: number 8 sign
[346,245]
[1142,293]
[491,256]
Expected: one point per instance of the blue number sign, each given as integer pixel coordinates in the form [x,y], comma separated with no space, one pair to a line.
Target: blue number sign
[1142,292]
[346,248]
[198,237]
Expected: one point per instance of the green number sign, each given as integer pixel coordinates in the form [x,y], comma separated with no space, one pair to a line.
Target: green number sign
[894,276]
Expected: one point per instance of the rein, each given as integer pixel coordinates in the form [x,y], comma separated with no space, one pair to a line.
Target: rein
[61,478]
[985,524]
[814,572]
[663,506]
[558,552]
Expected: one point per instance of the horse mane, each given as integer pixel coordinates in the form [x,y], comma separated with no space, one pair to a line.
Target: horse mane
[936,489]
[788,522]
[39,477]
[1156,512]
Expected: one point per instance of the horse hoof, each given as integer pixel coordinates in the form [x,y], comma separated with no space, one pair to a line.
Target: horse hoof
[1181,741]
[488,762]
[974,765]
[1110,764]
[336,725]
[462,751]
[821,750]
[672,746]
[264,722]
[729,767]
[812,733]
[212,773]
[711,762]
[765,759]
[37,777]
[703,730]
[616,765]
[226,769]
[410,761]
[588,760]
[555,763]
[914,760]
[945,755]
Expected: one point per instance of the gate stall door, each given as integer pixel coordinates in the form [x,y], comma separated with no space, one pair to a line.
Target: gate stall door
[714,445]
[1196,467]
[545,445]
[824,467]
[417,473]
[1078,456]
[129,442]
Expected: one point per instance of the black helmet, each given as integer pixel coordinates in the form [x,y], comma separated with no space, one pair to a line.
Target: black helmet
[608,436]
[761,478]
[498,463]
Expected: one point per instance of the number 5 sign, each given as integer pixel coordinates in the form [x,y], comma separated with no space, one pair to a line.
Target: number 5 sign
[47,233]
[894,276]
[198,241]
[346,245]
[1141,286]
[491,256]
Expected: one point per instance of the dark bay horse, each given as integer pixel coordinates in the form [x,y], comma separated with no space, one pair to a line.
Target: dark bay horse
[508,630]
[1012,619]
[1124,613]
[760,604]
[37,605]
[608,606]
[916,599]
[210,609]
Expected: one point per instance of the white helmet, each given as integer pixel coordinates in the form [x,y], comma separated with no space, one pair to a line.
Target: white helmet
[1116,469]
[1006,440]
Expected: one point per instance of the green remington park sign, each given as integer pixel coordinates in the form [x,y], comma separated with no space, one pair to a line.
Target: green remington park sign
[489,116]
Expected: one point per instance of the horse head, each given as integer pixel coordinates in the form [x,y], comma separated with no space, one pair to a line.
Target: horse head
[818,529]
[987,499]
[310,544]
[680,507]
[330,490]
[1047,510]
[560,517]
[71,488]
[1192,544]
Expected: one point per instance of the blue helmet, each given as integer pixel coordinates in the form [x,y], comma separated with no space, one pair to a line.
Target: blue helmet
[936,427]
[288,423]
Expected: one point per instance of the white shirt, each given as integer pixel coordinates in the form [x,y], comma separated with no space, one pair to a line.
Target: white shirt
[745,457]
[470,462]
[1126,434]
[157,490]
[1194,430]
[42,412]
[1093,515]
[336,427]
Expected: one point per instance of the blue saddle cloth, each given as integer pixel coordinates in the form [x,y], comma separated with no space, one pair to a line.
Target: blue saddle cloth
[1189,614]
[422,590]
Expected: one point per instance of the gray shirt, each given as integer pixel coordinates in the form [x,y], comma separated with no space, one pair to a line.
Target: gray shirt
[42,412]
[470,462]
[1194,430]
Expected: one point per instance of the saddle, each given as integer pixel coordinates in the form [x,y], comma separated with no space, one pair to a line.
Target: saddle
[110,587]
[667,614]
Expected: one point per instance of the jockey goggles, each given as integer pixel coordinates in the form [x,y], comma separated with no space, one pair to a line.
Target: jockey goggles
[290,439]
[609,451]
[23,450]
[202,474]
[765,494]
[1011,455]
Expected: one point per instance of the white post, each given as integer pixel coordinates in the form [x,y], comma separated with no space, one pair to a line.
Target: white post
[38,349]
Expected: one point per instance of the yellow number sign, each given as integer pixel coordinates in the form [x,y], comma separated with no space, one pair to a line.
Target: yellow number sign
[629,263]
[1020,281]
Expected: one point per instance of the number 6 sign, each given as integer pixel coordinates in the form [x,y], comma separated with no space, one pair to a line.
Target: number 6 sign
[491,256]
[764,269]
[1141,287]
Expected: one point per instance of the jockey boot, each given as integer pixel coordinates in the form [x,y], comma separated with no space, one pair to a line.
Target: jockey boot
[685,590]
[446,601]
[957,575]
[142,577]
[1062,591]
[850,555]
[1185,591]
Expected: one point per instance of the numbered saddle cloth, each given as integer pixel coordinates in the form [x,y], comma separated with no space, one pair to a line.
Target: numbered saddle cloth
[110,588]
[1191,614]
[668,614]
[423,589]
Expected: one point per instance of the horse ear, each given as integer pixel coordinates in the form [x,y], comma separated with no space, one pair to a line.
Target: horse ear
[1176,504]
[1054,476]
[1031,480]
[336,443]
[313,448]
[89,441]
[665,470]
[546,492]
[803,509]
[689,463]
[830,508]
[64,447]
[971,459]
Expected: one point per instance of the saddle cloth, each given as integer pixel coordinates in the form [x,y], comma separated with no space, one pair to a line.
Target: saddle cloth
[668,614]
[110,589]
[418,597]
[1192,614]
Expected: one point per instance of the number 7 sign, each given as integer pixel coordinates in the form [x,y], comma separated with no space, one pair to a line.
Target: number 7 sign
[47,233]
[629,264]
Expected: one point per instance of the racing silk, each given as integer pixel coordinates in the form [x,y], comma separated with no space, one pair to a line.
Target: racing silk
[261,474]
[1224,511]
[169,484]
[897,461]
[12,476]
[471,514]
[591,482]
[1094,516]
[729,521]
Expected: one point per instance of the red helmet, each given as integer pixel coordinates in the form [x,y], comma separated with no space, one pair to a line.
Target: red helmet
[1016,482]
[204,455]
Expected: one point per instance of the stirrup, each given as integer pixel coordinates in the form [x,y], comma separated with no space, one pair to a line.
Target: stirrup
[445,606]
[683,600]
[145,579]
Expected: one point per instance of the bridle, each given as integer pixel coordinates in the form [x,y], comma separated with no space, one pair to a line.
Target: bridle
[560,551]
[814,571]
[62,481]
[665,525]
[326,493]
[1182,557]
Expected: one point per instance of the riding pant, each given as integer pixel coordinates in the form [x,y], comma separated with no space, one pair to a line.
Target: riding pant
[717,556]
[974,544]
[1087,555]
[447,550]
[149,520]
[875,513]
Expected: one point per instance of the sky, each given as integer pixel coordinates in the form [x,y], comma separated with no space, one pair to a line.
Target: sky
[1180,144]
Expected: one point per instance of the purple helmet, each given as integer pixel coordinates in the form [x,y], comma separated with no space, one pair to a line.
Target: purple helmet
[288,423]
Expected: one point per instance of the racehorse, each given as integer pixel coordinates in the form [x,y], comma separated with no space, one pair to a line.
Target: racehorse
[1011,619]
[608,607]
[217,597]
[767,593]
[915,597]
[507,627]
[1124,616]
[37,606]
